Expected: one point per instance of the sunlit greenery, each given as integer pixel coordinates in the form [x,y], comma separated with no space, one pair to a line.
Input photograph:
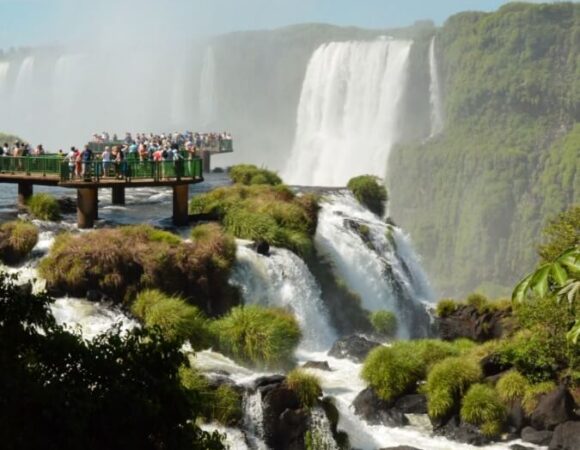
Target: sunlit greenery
[17,239]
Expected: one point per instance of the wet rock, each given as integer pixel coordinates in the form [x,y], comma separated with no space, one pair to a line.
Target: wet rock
[262,247]
[456,430]
[284,422]
[412,404]
[566,437]
[353,347]
[401,447]
[492,366]
[376,411]
[94,295]
[520,447]
[218,170]
[67,205]
[553,409]
[536,437]
[268,380]
[516,417]
[468,322]
[320,365]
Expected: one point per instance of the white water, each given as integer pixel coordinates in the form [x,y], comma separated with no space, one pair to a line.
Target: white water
[348,111]
[283,280]
[24,79]
[435,92]
[207,89]
[4,68]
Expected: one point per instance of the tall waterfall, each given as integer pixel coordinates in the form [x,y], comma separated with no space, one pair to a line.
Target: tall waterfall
[24,78]
[435,92]
[348,111]
[207,89]
[4,68]
[375,260]
[283,280]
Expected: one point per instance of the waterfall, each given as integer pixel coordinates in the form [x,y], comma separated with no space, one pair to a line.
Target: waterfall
[348,111]
[283,280]
[435,92]
[207,106]
[320,433]
[24,79]
[4,68]
[364,250]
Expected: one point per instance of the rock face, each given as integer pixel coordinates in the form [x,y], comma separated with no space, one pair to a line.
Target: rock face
[354,347]
[376,411]
[536,437]
[412,404]
[566,437]
[553,409]
[456,430]
[262,247]
[468,322]
[320,365]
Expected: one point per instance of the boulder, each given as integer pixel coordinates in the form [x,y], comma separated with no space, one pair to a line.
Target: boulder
[456,430]
[412,404]
[376,411]
[566,437]
[492,366]
[401,447]
[520,447]
[353,347]
[516,417]
[468,322]
[553,409]
[67,205]
[536,437]
[319,365]
[262,247]
[94,295]
[268,380]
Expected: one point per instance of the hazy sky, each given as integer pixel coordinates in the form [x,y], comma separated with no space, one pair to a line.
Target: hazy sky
[34,22]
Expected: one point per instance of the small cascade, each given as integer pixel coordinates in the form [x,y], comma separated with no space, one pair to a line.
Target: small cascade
[24,78]
[283,280]
[348,113]
[320,434]
[254,421]
[4,68]
[435,92]
[364,251]
[207,108]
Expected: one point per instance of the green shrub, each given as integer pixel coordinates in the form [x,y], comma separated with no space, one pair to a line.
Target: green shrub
[226,406]
[305,385]
[479,302]
[481,407]
[464,346]
[533,394]
[258,336]
[396,370]
[176,319]
[370,191]
[512,386]
[17,239]
[44,207]
[384,322]
[251,175]
[447,382]
[446,307]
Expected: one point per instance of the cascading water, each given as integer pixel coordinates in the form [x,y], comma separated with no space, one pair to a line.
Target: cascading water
[24,78]
[283,280]
[364,251]
[435,92]
[348,111]
[4,68]
[207,88]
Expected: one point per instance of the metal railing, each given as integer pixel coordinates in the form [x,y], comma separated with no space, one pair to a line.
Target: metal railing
[97,170]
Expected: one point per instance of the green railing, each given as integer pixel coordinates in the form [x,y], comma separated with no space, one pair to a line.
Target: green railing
[127,170]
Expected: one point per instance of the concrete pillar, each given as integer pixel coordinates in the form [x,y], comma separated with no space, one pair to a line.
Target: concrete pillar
[206,158]
[25,191]
[118,195]
[86,207]
[180,207]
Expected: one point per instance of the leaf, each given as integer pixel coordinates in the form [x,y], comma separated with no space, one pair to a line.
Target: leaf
[520,290]
[573,335]
[539,282]
[558,273]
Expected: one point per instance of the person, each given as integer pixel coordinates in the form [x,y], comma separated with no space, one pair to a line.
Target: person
[6,149]
[78,162]
[71,157]
[106,156]
[87,156]
[119,162]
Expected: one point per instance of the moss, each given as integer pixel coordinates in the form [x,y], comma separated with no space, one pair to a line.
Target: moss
[264,337]
[227,406]
[481,407]
[44,207]
[17,239]
[446,307]
[534,392]
[177,320]
[370,191]
[512,386]
[251,175]
[305,385]
[479,302]
[447,382]
[384,322]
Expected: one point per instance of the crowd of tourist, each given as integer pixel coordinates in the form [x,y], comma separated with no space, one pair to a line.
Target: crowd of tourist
[21,149]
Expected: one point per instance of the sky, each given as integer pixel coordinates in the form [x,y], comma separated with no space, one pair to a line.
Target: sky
[54,22]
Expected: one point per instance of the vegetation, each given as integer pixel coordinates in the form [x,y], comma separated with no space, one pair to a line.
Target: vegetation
[478,301]
[507,159]
[306,386]
[561,233]
[447,382]
[17,239]
[44,207]
[264,337]
[481,407]
[9,139]
[177,320]
[533,394]
[123,261]
[250,175]
[270,213]
[370,191]
[446,307]
[384,323]
[120,390]
[512,386]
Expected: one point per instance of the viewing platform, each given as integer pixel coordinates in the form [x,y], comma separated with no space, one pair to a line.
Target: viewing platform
[54,170]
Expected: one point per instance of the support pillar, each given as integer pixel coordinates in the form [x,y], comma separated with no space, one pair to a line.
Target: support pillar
[180,210]
[86,207]
[25,191]
[206,158]
[118,195]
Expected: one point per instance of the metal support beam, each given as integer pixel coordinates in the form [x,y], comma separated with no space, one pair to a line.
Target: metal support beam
[25,191]
[87,207]
[180,207]
[206,158]
[118,195]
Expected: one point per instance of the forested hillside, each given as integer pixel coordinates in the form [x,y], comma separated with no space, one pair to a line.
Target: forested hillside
[475,197]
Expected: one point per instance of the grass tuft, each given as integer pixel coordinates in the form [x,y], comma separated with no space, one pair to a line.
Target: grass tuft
[44,207]
[370,191]
[482,407]
[512,386]
[384,323]
[306,386]
[17,239]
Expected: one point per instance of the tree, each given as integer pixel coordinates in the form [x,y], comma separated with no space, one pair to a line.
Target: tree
[119,391]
